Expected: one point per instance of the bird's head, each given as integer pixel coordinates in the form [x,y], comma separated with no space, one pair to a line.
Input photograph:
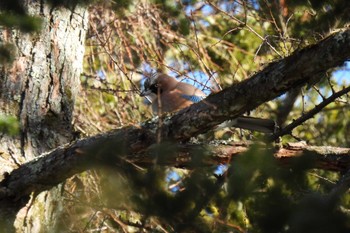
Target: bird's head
[151,85]
[158,82]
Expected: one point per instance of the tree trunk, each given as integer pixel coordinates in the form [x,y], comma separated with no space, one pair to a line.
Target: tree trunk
[40,89]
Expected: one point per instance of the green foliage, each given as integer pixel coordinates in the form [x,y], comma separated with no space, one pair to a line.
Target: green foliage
[6,53]
[23,22]
[256,194]
[171,8]
[324,14]
[9,125]
[228,40]
[14,15]
[177,210]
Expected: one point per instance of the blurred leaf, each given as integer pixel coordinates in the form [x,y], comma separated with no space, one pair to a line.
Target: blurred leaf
[7,53]
[9,125]
[23,22]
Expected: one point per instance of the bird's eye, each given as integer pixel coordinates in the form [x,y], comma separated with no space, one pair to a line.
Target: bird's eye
[154,88]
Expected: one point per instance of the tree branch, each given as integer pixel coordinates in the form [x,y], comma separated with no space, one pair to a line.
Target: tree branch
[60,164]
[273,81]
[288,129]
[324,157]
[110,148]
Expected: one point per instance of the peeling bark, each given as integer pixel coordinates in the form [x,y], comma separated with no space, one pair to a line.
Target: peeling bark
[40,89]
[44,96]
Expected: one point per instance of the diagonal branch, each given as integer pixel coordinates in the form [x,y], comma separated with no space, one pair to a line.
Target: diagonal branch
[273,81]
[288,129]
[109,148]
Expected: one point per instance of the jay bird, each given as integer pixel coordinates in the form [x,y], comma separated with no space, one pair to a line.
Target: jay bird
[170,95]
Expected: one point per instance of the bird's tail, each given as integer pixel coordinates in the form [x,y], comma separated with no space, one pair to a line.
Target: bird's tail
[252,123]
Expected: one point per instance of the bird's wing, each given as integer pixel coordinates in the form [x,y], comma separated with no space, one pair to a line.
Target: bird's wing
[192,98]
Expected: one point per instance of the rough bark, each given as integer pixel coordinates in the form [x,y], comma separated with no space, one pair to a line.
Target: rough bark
[40,88]
[274,80]
[55,167]
[129,144]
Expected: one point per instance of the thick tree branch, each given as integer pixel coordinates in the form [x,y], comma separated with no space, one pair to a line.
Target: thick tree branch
[324,157]
[273,81]
[60,164]
[278,77]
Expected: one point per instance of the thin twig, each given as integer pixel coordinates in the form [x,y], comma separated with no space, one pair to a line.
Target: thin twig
[288,129]
[247,26]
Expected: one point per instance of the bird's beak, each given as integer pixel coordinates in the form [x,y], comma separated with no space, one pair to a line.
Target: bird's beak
[145,92]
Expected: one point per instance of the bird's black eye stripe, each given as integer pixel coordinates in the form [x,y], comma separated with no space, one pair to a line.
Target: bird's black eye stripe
[154,88]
